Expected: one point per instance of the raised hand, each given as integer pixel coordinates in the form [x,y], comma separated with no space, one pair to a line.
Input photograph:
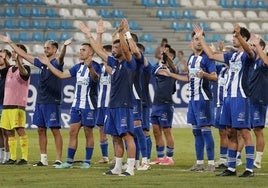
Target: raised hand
[236,29]
[123,25]
[68,41]
[254,39]
[198,31]
[84,28]
[4,38]
[100,27]
[44,59]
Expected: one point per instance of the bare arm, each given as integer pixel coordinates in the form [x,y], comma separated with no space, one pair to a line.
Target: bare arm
[123,42]
[93,73]
[18,50]
[256,41]
[100,30]
[209,76]
[22,69]
[206,48]
[58,73]
[166,72]
[242,41]
[63,51]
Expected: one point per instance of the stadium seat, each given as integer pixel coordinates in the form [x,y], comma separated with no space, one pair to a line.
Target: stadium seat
[91,3]
[51,13]
[38,49]
[176,26]
[149,50]
[228,38]
[118,13]
[14,2]
[36,12]
[228,26]
[261,4]
[49,2]
[133,25]
[263,14]
[187,14]
[199,3]
[226,14]
[24,24]
[69,61]
[9,12]
[188,37]
[201,14]
[38,37]
[215,26]
[204,26]
[254,27]
[242,24]
[237,4]
[265,37]
[188,26]
[92,24]
[212,3]
[37,24]
[213,14]
[64,36]
[173,3]
[147,38]
[78,13]
[64,2]
[161,14]
[65,24]
[264,26]
[224,4]
[80,37]
[217,37]
[104,3]
[23,2]
[51,24]
[108,25]
[65,12]
[116,24]
[77,2]
[51,36]
[186,3]
[91,13]
[174,14]
[23,12]
[24,37]
[237,14]
[147,3]
[38,2]
[252,15]
[10,24]
[104,13]
[160,3]
[249,4]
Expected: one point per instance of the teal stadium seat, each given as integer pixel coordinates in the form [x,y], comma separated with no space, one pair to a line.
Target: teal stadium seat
[160,3]
[24,2]
[116,13]
[36,12]
[149,50]
[104,13]
[147,38]
[104,3]
[51,24]
[24,24]
[91,3]
[174,14]
[65,24]
[176,26]
[37,24]
[64,36]
[134,26]
[147,3]
[24,37]
[237,4]
[38,2]
[9,12]
[23,12]
[50,12]
[261,4]
[51,36]
[161,14]
[249,4]
[173,3]
[10,24]
[38,37]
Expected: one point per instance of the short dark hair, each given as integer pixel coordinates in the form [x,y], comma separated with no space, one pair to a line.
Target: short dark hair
[135,37]
[116,41]
[86,44]
[8,53]
[108,48]
[141,47]
[244,33]
[173,52]
[262,44]
[165,40]
[53,43]
[21,46]
[180,52]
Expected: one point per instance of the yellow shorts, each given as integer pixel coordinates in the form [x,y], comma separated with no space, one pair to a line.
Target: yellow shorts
[13,118]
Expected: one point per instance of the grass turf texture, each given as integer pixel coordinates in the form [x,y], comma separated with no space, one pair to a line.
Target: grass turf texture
[159,176]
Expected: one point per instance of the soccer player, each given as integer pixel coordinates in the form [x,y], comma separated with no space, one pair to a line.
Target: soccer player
[15,101]
[5,55]
[85,102]
[47,109]
[162,110]
[235,110]
[119,122]
[200,109]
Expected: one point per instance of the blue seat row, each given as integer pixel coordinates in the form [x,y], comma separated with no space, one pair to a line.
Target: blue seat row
[38,36]
[36,24]
[98,3]
[23,2]
[132,25]
[174,14]
[244,4]
[28,12]
[188,26]
[160,3]
[116,13]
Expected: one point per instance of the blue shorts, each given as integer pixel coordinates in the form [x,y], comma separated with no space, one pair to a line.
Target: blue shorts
[47,116]
[137,109]
[200,113]
[235,113]
[101,116]
[217,119]
[86,116]
[162,115]
[146,118]
[119,121]
[257,115]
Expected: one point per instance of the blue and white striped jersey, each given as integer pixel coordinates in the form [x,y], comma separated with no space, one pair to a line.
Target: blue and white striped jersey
[86,90]
[104,88]
[200,89]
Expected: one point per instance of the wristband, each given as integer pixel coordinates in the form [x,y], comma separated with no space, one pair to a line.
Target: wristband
[128,35]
